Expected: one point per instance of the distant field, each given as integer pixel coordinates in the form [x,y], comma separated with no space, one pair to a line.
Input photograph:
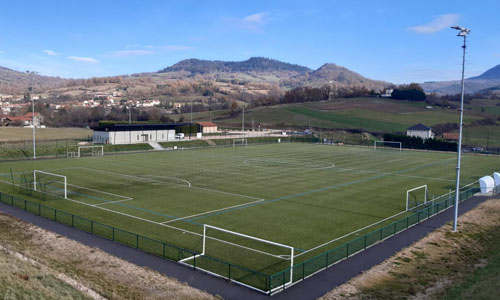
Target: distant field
[484,136]
[17,133]
[370,114]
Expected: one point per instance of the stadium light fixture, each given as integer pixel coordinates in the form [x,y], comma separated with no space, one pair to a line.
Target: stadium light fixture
[463,32]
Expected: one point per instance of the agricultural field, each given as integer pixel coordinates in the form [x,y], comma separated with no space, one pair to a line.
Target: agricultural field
[305,197]
[20,133]
[368,114]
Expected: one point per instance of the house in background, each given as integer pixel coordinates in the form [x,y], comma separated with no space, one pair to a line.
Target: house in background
[25,120]
[450,136]
[421,131]
[208,127]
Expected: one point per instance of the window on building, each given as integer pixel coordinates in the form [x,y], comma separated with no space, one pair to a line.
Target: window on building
[150,136]
[137,137]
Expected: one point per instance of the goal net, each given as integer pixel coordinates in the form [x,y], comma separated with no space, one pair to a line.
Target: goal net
[416,197]
[245,251]
[387,145]
[90,151]
[50,184]
[240,142]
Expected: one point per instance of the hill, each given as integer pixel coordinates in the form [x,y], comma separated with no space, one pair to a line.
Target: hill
[15,82]
[489,80]
[254,64]
[332,73]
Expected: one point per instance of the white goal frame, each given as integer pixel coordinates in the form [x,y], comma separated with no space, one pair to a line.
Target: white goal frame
[205,226]
[388,142]
[88,147]
[414,189]
[244,142]
[52,174]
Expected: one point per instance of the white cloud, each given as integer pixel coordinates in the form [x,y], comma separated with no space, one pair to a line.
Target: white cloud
[255,18]
[84,59]
[50,52]
[254,22]
[126,53]
[439,23]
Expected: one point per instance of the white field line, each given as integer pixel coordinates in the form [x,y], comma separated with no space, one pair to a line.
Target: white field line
[313,167]
[111,202]
[181,185]
[212,211]
[167,177]
[99,191]
[393,174]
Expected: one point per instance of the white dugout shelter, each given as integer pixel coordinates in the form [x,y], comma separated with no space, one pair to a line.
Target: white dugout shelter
[119,134]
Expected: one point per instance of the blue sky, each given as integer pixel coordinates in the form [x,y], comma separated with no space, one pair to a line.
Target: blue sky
[397,41]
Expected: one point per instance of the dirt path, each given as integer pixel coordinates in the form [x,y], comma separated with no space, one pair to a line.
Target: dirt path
[427,268]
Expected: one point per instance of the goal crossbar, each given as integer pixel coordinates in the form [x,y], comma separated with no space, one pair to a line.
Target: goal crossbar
[292,249]
[388,142]
[51,174]
[415,189]
[90,147]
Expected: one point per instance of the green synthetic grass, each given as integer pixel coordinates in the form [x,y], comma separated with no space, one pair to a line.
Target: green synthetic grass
[301,195]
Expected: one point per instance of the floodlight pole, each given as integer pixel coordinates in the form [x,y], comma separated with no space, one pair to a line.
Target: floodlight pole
[463,32]
[31,90]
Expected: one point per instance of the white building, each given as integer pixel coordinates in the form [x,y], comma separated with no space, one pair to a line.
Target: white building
[420,130]
[135,133]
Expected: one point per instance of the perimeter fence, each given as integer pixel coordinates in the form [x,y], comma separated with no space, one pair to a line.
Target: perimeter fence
[269,284]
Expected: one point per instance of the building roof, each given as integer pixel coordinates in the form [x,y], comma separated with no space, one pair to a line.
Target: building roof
[419,127]
[450,136]
[207,124]
[139,127]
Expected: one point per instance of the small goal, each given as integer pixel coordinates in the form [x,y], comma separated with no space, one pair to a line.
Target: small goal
[416,197]
[93,151]
[50,183]
[240,142]
[388,145]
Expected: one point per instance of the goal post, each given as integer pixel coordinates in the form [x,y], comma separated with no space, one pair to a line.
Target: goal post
[241,249]
[414,197]
[38,181]
[388,144]
[240,142]
[93,150]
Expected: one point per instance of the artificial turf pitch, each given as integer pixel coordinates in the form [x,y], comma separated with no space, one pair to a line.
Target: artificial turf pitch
[301,195]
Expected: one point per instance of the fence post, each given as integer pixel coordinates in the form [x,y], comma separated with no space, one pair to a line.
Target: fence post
[365,241]
[113,234]
[347,250]
[25,204]
[72,220]
[326,264]
[407,221]
[163,249]
[39,210]
[137,241]
[55,214]
[91,226]
[394,227]
[229,272]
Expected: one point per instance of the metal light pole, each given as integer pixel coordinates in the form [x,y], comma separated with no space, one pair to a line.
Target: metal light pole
[31,90]
[463,32]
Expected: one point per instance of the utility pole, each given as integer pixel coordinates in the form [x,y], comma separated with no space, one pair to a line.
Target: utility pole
[191,111]
[463,33]
[243,122]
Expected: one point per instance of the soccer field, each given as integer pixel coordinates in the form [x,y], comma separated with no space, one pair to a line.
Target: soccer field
[306,196]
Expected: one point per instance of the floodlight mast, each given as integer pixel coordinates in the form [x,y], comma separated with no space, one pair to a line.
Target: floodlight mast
[462,32]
